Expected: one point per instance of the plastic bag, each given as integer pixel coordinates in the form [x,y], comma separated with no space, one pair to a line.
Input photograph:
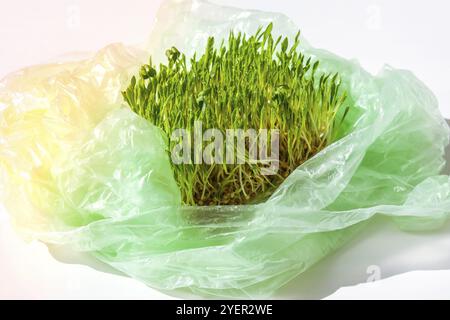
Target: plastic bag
[78,168]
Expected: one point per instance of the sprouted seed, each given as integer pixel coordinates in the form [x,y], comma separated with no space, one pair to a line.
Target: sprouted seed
[256,82]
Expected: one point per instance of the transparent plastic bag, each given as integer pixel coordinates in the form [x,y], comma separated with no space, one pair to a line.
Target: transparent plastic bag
[78,168]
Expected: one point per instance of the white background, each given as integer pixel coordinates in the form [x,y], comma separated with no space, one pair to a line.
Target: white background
[405,34]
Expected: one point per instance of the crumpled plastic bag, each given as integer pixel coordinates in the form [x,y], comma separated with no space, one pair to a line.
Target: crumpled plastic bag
[78,168]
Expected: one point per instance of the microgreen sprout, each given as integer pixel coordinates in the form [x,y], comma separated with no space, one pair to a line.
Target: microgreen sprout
[248,82]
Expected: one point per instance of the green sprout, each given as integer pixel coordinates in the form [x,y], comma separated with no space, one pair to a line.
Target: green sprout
[255,82]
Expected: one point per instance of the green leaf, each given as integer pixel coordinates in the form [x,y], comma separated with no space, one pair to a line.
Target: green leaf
[284,45]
